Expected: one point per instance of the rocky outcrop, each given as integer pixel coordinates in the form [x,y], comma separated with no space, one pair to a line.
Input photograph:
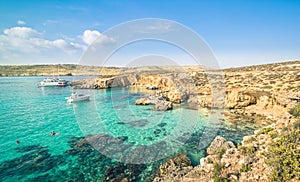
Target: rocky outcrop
[88,83]
[239,99]
[174,169]
[163,106]
[224,161]
[107,82]
[159,104]
[118,81]
[218,144]
[144,101]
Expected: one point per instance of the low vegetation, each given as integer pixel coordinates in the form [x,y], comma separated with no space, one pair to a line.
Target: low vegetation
[295,111]
[273,134]
[221,152]
[245,168]
[217,173]
[264,130]
[284,155]
[247,151]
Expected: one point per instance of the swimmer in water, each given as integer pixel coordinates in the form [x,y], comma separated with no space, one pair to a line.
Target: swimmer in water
[52,133]
[17,142]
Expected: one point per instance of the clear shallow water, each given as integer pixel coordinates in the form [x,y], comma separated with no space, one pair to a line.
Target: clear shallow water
[29,113]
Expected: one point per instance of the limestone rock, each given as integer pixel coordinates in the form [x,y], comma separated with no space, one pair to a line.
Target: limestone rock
[218,144]
[174,169]
[163,106]
[144,101]
[239,99]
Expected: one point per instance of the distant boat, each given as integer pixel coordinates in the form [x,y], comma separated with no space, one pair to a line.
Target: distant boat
[75,97]
[53,82]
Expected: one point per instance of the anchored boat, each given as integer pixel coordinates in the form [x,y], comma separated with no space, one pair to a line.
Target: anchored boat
[75,97]
[53,82]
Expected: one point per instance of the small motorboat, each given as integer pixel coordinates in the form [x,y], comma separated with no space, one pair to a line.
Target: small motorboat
[75,97]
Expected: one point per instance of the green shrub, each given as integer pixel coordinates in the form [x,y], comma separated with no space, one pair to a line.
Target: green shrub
[297,125]
[264,130]
[284,156]
[248,151]
[210,161]
[217,173]
[273,134]
[295,111]
[245,168]
[221,152]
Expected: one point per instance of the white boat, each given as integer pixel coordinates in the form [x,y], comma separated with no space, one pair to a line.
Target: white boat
[53,82]
[75,97]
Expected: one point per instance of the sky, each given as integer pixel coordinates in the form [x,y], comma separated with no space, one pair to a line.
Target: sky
[238,32]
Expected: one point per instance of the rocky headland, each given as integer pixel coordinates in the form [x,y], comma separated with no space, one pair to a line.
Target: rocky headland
[267,91]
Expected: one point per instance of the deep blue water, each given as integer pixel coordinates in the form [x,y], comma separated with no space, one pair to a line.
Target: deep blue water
[28,114]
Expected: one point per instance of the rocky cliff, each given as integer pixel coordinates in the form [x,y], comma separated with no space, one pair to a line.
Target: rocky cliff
[255,90]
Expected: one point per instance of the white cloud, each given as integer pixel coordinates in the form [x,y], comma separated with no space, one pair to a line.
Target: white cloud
[25,39]
[20,22]
[30,45]
[22,42]
[22,32]
[59,43]
[89,36]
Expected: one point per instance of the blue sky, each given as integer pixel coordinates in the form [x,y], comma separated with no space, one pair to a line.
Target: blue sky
[238,32]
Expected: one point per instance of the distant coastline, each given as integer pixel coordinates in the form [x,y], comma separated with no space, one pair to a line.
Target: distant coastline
[75,70]
[49,70]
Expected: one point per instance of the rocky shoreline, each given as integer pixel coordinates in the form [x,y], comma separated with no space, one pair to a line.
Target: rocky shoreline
[252,91]
[226,162]
[267,91]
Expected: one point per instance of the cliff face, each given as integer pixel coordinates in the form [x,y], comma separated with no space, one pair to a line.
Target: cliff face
[172,86]
[253,90]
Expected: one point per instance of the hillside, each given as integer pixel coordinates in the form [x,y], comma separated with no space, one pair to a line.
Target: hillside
[49,70]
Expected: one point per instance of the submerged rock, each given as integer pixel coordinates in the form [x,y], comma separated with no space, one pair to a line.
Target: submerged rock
[138,123]
[124,172]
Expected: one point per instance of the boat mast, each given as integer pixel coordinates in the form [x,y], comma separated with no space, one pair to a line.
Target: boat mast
[52,73]
[57,70]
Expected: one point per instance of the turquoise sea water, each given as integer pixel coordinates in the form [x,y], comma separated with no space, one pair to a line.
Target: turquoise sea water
[28,114]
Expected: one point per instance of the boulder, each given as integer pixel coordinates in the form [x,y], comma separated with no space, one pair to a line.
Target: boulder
[219,143]
[239,99]
[163,106]
[174,169]
[144,101]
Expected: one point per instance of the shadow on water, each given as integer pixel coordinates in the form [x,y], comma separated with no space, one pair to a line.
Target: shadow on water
[79,163]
